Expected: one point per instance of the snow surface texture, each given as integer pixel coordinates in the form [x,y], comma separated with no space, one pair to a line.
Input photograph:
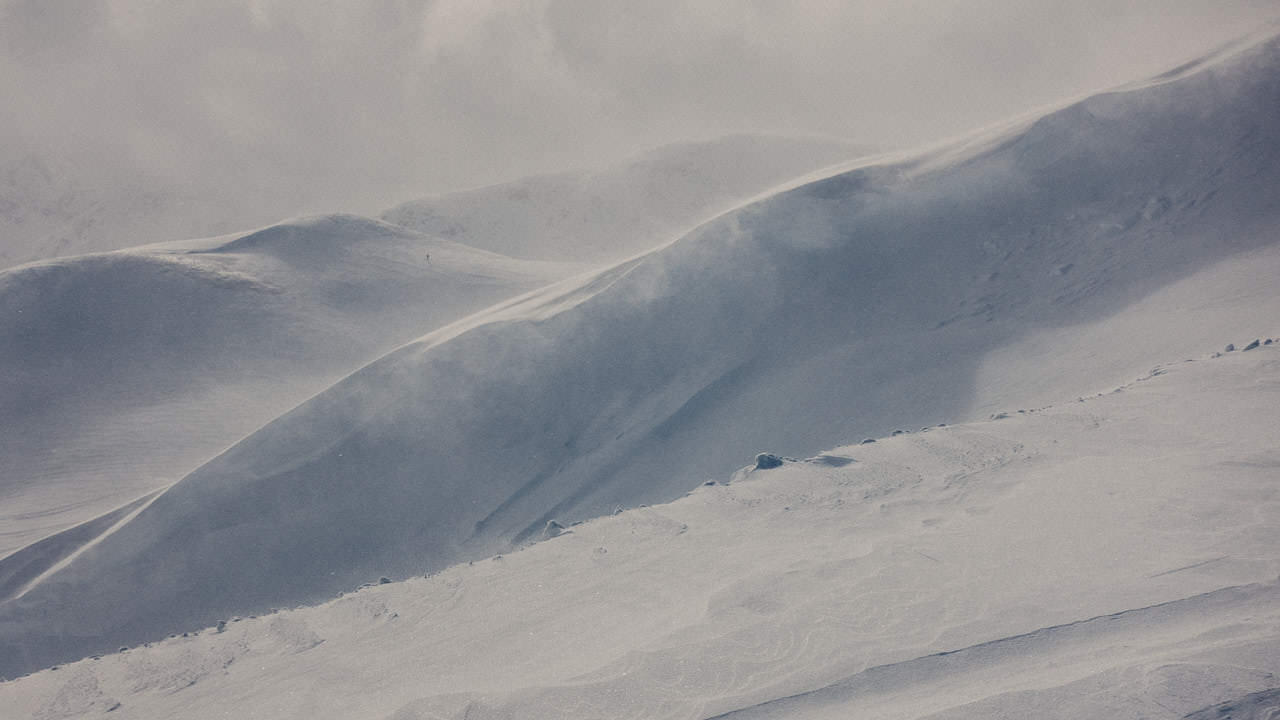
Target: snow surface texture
[616,212]
[893,294]
[1109,558]
[121,372]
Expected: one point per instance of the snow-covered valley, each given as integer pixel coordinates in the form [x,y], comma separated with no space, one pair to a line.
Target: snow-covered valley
[1070,507]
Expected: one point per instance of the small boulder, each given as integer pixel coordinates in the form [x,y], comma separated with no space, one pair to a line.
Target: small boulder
[1252,345]
[552,529]
[767,461]
[384,581]
[1231,347]
[867,441]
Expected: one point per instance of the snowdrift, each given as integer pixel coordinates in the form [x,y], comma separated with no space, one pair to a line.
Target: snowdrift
[879,297]
[121,372]
[1109,558]
[619,211]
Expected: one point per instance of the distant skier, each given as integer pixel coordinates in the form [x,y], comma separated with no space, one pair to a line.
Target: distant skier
[428,258]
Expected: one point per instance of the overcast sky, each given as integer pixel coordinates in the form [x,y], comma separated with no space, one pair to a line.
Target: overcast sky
[326,105]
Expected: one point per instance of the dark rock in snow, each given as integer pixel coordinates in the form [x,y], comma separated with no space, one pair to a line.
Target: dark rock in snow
[1252,345]
[384,581]
[867,441]
[767,461]
[1229,348]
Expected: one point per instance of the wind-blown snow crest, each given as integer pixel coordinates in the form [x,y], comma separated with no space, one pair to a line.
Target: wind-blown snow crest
[877,298]
[620,210]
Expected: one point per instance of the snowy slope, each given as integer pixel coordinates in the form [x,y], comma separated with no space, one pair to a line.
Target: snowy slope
[121,372]
[1112,557]
[617,211]
[1139,224]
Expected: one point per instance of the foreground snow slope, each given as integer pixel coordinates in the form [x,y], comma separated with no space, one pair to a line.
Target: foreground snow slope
[121,372]
[1140,225]
[623,209]
[1116,556]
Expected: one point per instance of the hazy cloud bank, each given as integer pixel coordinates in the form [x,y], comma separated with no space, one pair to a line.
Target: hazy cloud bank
[276,107]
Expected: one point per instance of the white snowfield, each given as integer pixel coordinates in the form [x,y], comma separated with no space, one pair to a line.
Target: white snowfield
[1101,558]
[121,372]
[617,211]
[1051,260]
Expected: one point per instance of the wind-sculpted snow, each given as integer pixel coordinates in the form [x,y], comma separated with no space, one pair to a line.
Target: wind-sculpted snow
[121,372]
[621,210]
[1114,557]
[873,299]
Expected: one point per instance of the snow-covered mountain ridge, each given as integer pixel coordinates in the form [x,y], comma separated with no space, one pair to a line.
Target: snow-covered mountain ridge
[51,206]
[121,372]
[623,209]
[898,293]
